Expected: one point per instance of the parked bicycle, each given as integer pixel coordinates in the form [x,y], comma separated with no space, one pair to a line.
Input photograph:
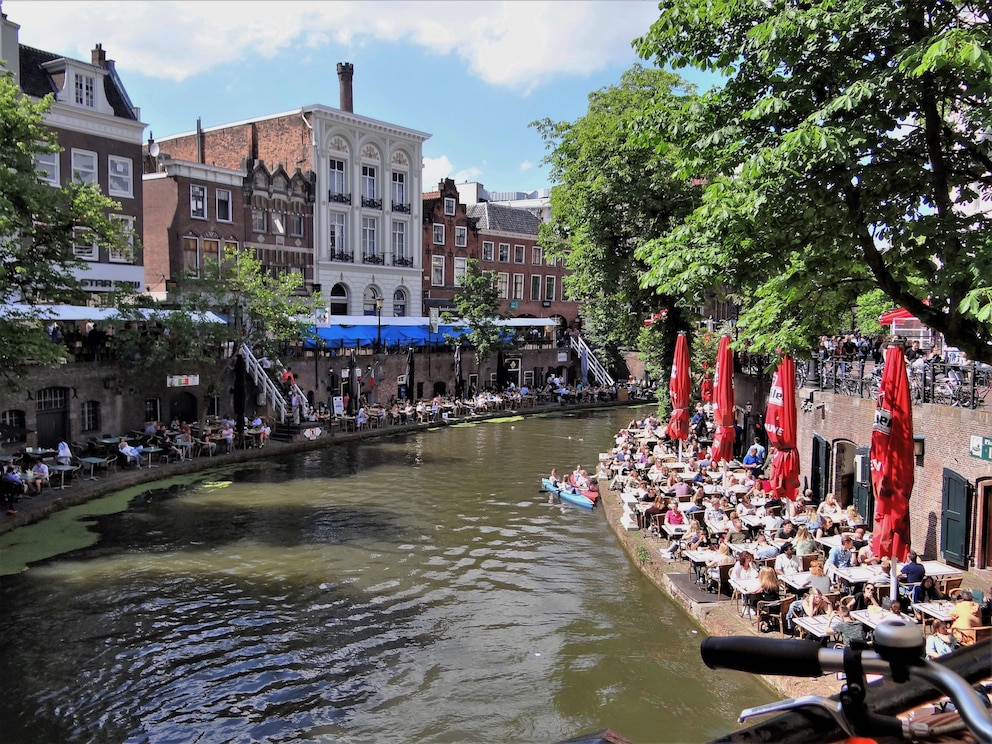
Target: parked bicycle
[861,709]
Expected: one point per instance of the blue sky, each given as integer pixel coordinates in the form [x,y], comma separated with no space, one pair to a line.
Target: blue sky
[472,74]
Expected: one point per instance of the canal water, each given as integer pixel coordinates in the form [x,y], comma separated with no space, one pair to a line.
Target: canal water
[417,588]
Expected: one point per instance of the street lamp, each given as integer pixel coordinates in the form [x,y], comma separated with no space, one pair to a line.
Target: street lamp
[378,315]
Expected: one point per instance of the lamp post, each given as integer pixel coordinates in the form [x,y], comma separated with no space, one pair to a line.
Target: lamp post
[378,315]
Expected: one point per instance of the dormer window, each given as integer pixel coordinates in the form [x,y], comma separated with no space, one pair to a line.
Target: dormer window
[85,90]
[449,206]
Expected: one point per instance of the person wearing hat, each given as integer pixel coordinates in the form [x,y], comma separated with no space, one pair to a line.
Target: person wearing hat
[787,563]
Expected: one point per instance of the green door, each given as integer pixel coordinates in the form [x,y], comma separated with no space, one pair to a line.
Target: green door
[955,502]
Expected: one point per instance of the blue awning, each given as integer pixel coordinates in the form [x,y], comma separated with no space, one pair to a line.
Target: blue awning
[354,336]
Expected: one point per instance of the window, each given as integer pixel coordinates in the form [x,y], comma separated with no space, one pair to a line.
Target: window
[198,202]
[437,271]
[549,288]
[124,253]
[503,285]
[399,303]
[449,206]
[549,261]
[17,432]
[487,250]
[47,165]
[518,287]
[230,246]
[461,268]
[153,409]
[336,180]
[535,287]
[399,190]
[438,234]
[369,198]
[121,181]
[223,205]
[399,245]
[564,294]
[518,254]
[338,239]
[90,416]
[297,225]
[461,237]
[191,255]
[85,90]
[211,250]
[369,245]
[277,222]
[258,220]
[84,168]
[535,255]
[84,245]
[339,300]
[504,253]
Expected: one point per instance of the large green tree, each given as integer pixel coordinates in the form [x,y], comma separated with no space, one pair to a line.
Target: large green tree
[477,303]
[38,226]
[614,192]
[848,150]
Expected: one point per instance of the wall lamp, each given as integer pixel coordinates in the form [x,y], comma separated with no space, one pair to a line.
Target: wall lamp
[919,448]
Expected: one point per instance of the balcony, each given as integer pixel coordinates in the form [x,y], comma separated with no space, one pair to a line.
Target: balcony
[401,261]
[371,203]
[342,256]
[338,198]
[401,207]
[371,258]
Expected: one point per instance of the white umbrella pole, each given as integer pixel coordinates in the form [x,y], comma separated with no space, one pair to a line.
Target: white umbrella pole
[680,450]
[893,578]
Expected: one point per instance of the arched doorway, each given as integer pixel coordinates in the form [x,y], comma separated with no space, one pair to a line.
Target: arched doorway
[845,457]
[185,407]
[53,416]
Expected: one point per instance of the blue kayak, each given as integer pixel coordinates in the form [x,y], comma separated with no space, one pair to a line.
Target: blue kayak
[567,493]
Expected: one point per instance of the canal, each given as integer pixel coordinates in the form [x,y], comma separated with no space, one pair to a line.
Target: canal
[417,588]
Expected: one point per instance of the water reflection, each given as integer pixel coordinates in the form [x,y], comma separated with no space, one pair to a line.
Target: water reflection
[410,589]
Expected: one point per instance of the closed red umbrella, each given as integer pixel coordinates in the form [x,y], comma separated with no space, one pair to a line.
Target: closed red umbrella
[892,459]
[679,388]
[723,403]
[780,425]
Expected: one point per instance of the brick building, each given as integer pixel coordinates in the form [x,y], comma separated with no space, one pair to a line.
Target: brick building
[100,133]
[363,177]
[450,238]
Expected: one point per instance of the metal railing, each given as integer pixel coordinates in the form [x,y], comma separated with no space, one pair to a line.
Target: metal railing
[603,377]
[260,376]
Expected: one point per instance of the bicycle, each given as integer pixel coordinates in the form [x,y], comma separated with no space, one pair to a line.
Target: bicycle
[859,709]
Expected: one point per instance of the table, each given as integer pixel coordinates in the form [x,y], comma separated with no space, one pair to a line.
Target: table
[831,541]
[939,610]
[798,582]
[93,462]
[673,531]
[817,626]
[744,587]
[39,452]
[860,574]
[63,469]
[697,560]
[872,618]
[150,451]
[938,570]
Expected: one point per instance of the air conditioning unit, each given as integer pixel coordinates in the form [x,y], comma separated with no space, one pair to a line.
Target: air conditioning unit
[401,380]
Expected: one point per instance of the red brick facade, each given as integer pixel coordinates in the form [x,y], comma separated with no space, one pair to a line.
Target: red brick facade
[447,247]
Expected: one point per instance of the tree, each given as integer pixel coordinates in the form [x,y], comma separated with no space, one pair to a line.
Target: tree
[477,303]
[847,151]
[263,310]
[613,193]
[38,226]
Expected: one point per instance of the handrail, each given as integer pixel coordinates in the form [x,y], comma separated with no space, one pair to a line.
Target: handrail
[578,343]
[265,383]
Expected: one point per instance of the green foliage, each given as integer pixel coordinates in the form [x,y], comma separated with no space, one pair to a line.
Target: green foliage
[477,303]
[613,193]
[643,556]
[847,152]
[37,231]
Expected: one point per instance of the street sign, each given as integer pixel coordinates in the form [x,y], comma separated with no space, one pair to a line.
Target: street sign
[182,380]
[981,447]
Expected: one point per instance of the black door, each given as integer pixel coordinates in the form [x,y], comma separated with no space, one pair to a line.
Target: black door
[819,472]
[53,417]
[955,511]
[185,408]
[863,498]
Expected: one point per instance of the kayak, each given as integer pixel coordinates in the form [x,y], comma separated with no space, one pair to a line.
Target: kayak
[566,492]
[590,493]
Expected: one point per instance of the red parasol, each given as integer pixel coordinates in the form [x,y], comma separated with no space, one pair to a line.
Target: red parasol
[892,459]
[780,424]
[723,403]
[679,388]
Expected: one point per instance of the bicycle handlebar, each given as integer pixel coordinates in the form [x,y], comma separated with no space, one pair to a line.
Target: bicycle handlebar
[777,656]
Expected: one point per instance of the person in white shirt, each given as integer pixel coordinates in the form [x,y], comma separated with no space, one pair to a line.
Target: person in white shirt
[787,563]
[64,454]
[39,472]
[130,452]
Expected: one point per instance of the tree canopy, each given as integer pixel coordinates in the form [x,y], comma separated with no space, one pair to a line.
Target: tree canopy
[613,193]
[848,151]
[39,224]
[477,303]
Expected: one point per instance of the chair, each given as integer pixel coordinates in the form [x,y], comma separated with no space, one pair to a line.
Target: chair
[946,586]
[971,636]
[808,558]
[773,612]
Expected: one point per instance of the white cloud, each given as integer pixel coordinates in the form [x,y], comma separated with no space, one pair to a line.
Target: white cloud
[437,169]
[526,166]
[515,44]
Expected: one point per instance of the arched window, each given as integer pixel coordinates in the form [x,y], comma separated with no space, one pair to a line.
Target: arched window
[372,294]
[399,303]
[339,299]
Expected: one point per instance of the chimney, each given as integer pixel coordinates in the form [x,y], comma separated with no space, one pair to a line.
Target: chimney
[98,56]
[346,71]
[199,141]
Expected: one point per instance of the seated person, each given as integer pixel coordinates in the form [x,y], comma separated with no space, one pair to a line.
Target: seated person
[127,452]
[913,572]
[39,473]
[851,632]
[787,563]
[926,591]
[264,432]
[941,641]
[966,612]
[804,542]
[813,604]
[865,598]
[227,434]
[361,418]
[768,591]
[787,531]
[818,579]
[723,557]
[830,507]
[827,528]
[763,549]
[841,556]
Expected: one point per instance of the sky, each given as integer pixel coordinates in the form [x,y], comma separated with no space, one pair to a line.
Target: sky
[472,74]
